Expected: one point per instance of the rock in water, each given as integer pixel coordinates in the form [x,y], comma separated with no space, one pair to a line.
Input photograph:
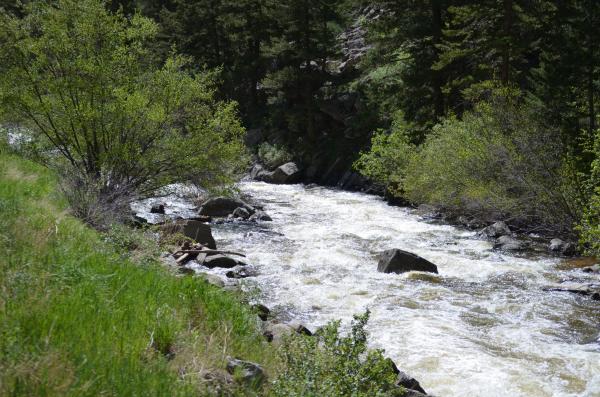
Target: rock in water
[157,209]
[496,230]
[398,261]
[284,174]
[196,230]
[223,206]
[507,243]
[562,247]
[408,382]
[241,213]
[222,261]
[250,372]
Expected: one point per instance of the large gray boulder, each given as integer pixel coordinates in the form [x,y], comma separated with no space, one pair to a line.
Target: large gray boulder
[507,243]
[221,261]
[498,229]
[223,206]
[561,247]
[399,261]
[284,174]
[196,230]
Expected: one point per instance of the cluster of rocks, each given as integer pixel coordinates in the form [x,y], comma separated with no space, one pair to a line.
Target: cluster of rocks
[232,208]
[284,174]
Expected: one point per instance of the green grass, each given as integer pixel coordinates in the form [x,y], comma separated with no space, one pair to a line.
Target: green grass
[77,319]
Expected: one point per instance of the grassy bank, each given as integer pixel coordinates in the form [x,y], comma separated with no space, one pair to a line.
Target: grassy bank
[78,319]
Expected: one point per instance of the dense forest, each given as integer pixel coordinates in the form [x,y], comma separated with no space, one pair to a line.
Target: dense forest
[486,109]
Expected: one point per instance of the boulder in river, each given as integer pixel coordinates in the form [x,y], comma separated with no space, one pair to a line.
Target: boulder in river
[591,290]
[260,216]
[258,172]
[498,229]
[399,261]
[284,174]
[242,272]
[592,269]
[221,261]
[248,371]
[222,206]
[241,213]
[507,243]
[157,209]
[561,247]
[196,230]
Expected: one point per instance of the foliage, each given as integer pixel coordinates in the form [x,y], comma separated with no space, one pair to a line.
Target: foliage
[104,111]
[79,319]
[332,365]
[589,227]
[273,156]
[388,157]
[498,160]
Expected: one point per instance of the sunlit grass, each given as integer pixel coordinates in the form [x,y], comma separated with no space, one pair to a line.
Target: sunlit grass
[78,319]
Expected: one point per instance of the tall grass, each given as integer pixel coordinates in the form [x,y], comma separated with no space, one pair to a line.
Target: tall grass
[77,319]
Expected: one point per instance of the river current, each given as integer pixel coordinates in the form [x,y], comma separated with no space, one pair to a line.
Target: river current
[483,327]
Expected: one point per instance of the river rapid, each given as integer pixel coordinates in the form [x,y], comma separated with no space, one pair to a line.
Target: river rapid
[482,327]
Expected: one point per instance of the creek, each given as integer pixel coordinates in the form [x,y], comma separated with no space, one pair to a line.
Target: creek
[483,327]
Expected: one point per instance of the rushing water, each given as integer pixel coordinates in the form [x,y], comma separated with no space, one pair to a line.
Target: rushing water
[482,327]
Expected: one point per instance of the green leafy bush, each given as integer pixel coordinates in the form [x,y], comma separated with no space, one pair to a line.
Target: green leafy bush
[104,111]
[332,365]
[272,156]
[498,160]
[388,157]
[589,227]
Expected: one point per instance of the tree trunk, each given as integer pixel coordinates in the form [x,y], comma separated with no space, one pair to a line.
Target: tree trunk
[437,81]
[508,22]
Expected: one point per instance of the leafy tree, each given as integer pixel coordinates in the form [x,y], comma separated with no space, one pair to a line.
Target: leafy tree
[98,104]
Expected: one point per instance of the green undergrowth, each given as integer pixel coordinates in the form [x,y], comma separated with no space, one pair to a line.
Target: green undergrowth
[79,319]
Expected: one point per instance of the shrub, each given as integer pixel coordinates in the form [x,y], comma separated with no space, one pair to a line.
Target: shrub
[104,111]
[332,365]
[498,160]
[589,227]
[272,156]
[388,157]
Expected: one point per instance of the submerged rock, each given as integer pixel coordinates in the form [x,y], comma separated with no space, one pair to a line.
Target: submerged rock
[241,273]
[399,261]
[591,290]
[260,216]
[222,206]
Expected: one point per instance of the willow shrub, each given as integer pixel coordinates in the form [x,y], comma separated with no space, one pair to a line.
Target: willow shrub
[589,227]
[101,108]
[390,153]
[497,161]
